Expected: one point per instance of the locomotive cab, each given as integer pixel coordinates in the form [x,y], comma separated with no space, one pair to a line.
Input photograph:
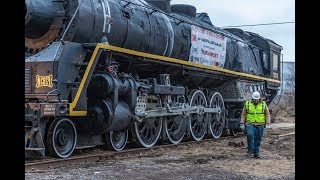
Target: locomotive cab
[275,54]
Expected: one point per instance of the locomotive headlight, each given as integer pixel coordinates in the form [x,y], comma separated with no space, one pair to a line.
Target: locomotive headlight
[62,109]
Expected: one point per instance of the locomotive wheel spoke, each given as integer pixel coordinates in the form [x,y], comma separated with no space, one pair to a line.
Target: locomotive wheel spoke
[175,126]
[147,132]
[197,122]
[216,121]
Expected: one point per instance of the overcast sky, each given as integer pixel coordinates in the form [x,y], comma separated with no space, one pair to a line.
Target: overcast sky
[244,12]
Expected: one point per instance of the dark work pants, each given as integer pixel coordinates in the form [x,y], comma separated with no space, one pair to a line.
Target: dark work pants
[254,137]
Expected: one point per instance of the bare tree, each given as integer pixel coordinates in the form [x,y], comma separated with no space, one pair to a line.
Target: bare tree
[290,77]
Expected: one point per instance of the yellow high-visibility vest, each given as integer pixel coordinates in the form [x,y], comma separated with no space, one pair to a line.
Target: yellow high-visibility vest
[255,114]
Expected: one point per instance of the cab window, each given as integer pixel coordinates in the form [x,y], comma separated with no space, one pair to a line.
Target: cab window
[275,58]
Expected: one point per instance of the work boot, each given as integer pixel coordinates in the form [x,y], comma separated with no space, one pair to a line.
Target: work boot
[249,154]
[257,156]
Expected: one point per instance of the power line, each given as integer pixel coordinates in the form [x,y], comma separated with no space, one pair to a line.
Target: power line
[257,24]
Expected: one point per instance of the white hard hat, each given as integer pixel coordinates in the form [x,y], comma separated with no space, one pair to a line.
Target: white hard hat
[256,95]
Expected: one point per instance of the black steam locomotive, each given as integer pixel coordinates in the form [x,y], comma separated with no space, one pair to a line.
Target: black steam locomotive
[109,72]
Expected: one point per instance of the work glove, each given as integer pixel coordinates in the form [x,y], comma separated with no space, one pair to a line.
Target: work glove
[242,126]
[268,126]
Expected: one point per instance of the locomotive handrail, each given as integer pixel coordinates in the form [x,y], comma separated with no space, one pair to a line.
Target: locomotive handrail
[58,94]
[74,15]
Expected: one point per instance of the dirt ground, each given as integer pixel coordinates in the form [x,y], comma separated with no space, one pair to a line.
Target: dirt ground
[216,159]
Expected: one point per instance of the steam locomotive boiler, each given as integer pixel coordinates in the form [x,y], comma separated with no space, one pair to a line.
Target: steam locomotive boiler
[109,72]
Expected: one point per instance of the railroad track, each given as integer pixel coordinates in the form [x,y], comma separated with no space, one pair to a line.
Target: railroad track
[107,155]
[33,166]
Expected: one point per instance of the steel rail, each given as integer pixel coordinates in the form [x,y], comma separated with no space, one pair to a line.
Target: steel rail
[57,162]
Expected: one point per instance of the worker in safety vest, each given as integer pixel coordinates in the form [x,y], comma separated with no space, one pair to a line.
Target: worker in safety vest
[256,116]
